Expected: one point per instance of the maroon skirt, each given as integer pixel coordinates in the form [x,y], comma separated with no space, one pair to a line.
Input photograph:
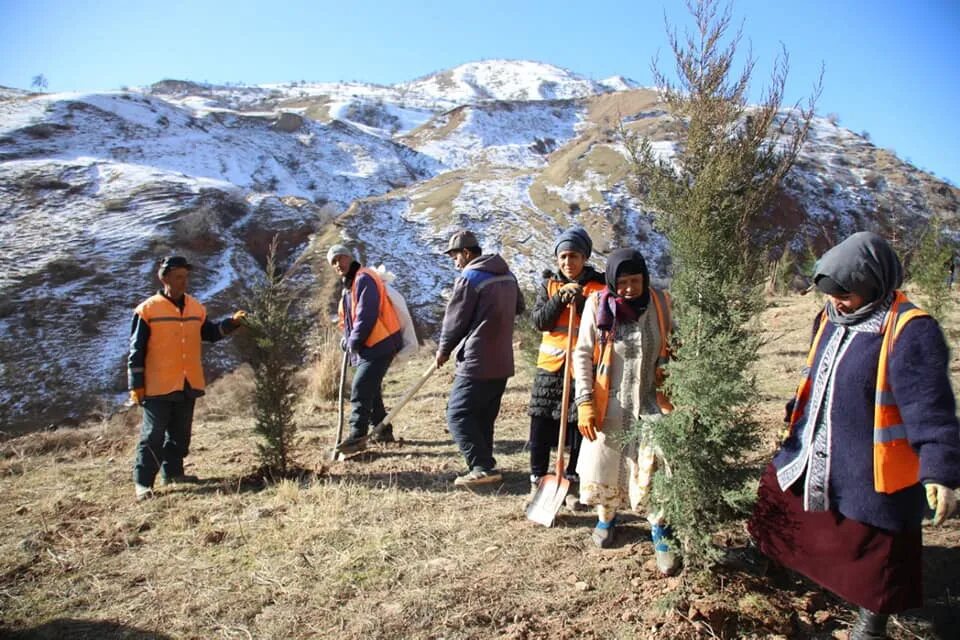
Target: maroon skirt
[873,568]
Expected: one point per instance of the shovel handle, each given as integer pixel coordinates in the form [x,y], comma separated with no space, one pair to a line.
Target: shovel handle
[408,395]
[343,383]
[565,397]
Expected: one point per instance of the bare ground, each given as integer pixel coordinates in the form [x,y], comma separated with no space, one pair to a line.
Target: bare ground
[382,545]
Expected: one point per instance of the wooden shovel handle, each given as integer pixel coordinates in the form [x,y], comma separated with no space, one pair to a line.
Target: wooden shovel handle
[565,397]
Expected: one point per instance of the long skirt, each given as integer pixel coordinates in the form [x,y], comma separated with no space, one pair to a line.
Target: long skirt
[870,567]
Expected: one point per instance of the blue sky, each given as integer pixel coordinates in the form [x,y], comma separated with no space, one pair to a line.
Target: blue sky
[891,67]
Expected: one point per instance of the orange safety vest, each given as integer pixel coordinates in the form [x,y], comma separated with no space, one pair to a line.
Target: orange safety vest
[553,345]
[173,349]
[896,465]
[603,354]
[387,322]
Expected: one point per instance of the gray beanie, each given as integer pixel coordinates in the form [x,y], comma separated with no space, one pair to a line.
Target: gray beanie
[338,250]
[574,239]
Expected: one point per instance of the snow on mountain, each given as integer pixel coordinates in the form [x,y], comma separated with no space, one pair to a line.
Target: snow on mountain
[619,83]
[499,133]
[504,80]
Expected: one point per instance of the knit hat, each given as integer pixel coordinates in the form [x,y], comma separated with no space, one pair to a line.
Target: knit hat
[338,250]
[574,239]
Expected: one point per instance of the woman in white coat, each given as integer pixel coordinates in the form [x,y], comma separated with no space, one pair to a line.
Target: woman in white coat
[621,346]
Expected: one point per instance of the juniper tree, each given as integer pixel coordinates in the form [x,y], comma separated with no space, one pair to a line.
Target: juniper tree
[730,160]
[931,268]
[275,351]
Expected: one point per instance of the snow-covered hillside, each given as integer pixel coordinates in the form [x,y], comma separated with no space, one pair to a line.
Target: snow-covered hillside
[94,188]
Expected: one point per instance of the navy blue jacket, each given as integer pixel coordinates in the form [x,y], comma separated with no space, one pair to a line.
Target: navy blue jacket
[919,377]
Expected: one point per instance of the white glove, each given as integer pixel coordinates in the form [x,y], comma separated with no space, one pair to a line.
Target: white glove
[943,500]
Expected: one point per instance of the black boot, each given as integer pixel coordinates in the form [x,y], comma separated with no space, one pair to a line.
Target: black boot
[869,626]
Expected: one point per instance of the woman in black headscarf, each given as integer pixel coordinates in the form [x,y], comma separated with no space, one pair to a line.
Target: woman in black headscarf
[873,432]
[622,345]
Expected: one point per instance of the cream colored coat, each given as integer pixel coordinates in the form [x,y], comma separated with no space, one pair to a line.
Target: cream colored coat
[616,472]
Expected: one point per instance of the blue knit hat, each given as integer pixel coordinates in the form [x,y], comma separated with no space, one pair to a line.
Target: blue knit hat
[574,239]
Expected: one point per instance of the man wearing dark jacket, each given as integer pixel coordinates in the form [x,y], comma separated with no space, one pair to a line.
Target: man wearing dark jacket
[165,375]
[372,335]
[480,313]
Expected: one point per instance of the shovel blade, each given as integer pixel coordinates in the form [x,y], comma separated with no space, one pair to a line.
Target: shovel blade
[548,499]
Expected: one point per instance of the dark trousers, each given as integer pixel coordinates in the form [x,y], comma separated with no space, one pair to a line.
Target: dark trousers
[164,438]
[544,434]
[366,395]
[472,409]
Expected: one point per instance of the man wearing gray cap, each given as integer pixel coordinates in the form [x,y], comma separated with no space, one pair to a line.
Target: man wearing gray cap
[165,375]
[373,336]
[480,314]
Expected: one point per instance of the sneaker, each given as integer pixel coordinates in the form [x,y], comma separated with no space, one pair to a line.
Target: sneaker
[478,477]
[664,550]
[383,434]
[572,502]
[748,559]
[535,479]
[603,533]
[142,492]
[353,444]
[180,478]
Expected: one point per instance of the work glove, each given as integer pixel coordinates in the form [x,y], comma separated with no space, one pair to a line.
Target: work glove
[239,318]
[569,292]
[943,501]
[137,395]
[587,420]
[343,344]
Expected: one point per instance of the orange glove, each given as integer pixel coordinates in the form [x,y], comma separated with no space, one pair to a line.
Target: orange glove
[137,395]
[587,420]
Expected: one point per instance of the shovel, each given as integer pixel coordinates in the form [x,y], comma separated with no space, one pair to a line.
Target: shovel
[393,412]
[552,490]
[343,384]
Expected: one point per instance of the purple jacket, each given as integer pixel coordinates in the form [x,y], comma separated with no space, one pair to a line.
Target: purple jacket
[485,301]
[919,377]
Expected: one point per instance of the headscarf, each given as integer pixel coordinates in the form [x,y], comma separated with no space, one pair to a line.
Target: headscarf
[623,262]
[864,264]
[574,239]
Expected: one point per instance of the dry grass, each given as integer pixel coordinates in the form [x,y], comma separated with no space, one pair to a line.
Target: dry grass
[380,546]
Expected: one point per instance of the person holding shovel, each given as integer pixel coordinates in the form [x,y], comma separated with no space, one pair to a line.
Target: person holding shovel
[480,313]
[573,282]
[873,441]
[165,375]
[622,345]
[372,336]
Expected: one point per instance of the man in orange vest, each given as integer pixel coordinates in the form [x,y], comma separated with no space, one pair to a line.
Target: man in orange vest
[164,373]
[372,335]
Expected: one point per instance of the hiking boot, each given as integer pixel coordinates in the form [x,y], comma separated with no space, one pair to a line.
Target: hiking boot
[382,434]
[352,445]
[603,533]
[142,492]
[180,478]
[478,477]
[869,626]
[665,550]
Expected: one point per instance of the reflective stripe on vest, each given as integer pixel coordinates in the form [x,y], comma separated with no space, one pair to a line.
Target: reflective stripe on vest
[896,465]
[387,322]
[173,349]
[603,354]
[553,344]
